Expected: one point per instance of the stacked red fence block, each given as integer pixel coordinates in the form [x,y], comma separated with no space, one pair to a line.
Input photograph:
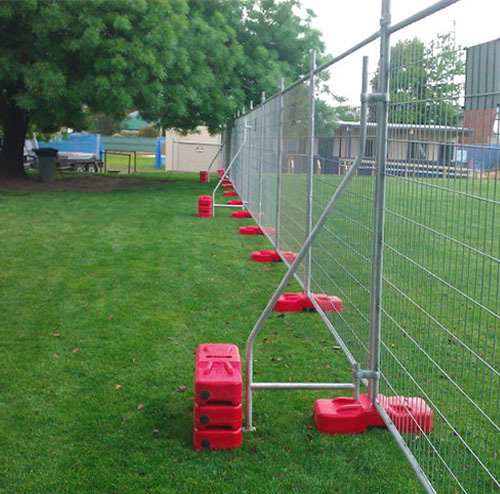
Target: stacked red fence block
[220,173]
[204,206]
[203,177]
[217,397]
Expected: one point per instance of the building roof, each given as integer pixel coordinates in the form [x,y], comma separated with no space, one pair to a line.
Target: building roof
[440,128]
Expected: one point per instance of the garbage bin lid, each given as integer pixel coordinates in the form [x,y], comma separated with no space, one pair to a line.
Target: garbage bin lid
[46,151]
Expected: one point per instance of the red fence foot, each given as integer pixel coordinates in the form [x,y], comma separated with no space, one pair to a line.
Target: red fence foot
[218,395]
[241,214]
[205,206]
[235,203]
[250,230]
[266,256]
[350,416]
[298,302]
[230,193]
[288,255]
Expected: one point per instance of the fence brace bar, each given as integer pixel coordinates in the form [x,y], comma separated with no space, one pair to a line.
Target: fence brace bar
[221,147]
[227,171]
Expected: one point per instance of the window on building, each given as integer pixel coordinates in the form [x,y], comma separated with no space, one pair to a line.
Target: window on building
[496,128]
[370,148]
[417,150]
[446,154]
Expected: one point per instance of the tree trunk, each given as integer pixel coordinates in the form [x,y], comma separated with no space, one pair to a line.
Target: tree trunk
[15,126]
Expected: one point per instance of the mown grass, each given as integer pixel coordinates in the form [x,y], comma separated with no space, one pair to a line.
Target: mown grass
[69,261]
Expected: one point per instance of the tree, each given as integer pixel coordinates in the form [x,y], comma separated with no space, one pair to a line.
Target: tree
[327,117]
[426,81]
[231,51]
[148,131]
[102,124]
[181,63]
[277,43]
[61,59]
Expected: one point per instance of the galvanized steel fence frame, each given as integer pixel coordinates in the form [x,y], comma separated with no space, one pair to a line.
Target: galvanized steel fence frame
[460,454]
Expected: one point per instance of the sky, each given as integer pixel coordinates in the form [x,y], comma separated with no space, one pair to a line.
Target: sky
[346,22]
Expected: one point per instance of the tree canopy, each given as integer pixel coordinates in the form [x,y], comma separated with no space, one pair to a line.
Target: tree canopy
[182,63]
[426,80]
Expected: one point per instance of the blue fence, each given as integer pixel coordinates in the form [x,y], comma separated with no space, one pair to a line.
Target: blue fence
[77,143]
[483,157]
[159,158]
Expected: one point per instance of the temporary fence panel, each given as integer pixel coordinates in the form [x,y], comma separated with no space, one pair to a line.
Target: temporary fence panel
[402,219]
[270,153]
[441,266]
[342,252]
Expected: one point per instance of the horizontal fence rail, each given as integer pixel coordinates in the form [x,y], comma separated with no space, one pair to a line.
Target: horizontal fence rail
[398,214]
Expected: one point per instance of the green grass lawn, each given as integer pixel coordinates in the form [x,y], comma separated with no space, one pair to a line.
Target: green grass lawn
[117,289]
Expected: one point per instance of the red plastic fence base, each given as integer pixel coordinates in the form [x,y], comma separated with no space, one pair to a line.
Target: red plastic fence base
[218,388]
[227,186]
[269,230]
[205,206]
[230,193]
[241,214]
[205,200]
[220,172]
[226,181]
[209,416]
[345,415]
[409,415]
[288,255]
[236,202]
[266,256]
[327,303]
[250,230]
[299,302]
[218,374]
[350,416]
[203,177]
[217,439]
[291,302]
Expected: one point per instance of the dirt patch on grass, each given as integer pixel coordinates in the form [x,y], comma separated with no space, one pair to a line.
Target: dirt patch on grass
[80,183]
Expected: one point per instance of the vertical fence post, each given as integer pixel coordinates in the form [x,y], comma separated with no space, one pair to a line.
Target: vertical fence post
[379,204]
[261,155]
[310,174]
[249,154]
[279,163]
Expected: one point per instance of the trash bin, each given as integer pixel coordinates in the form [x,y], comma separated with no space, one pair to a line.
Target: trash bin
[46,164]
